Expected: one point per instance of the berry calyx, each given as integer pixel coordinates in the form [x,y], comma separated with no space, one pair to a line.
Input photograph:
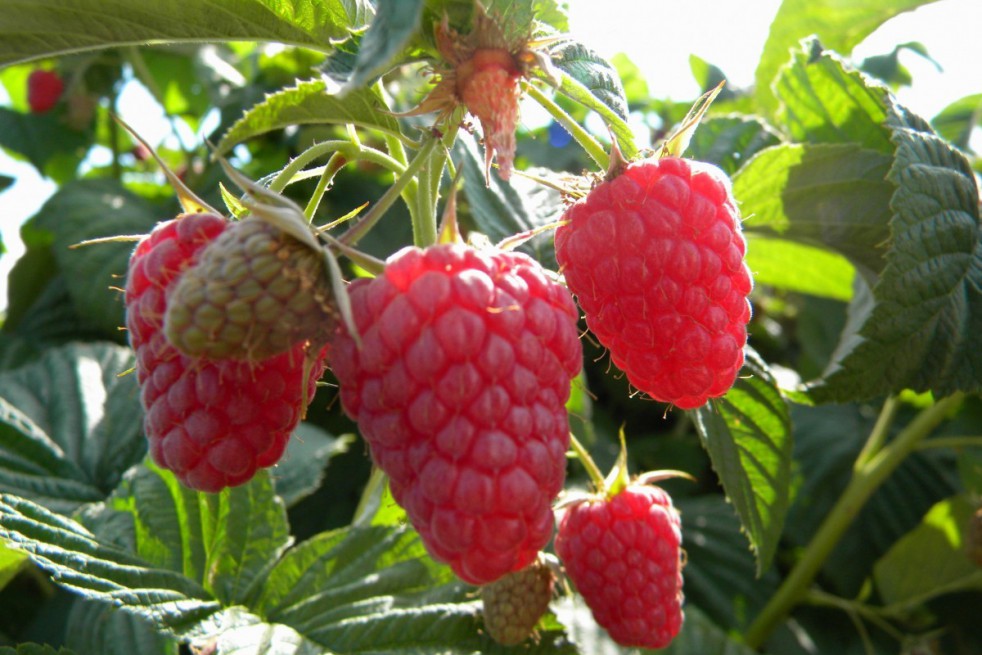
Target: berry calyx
[513,604]
[655,257]
[255,292]
[212,422]
[458,383]
[44,89]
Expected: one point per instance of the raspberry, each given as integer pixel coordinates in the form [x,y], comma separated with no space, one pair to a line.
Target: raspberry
[43,90]
[459,388]
[514,603]
[487,83]
[623,555]
[213,423]
[655,258]
[255,292]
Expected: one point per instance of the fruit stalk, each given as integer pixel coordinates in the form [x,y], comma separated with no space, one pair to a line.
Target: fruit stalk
[867,477]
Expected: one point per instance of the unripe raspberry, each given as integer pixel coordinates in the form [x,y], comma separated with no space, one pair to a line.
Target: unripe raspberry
[213,423]
[459,387]
[513,604]
[43,90]
[655,257]
[488,84]
[623,554]
[255,292]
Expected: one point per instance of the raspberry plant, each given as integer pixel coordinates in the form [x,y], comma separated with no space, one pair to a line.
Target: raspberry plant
[195,483]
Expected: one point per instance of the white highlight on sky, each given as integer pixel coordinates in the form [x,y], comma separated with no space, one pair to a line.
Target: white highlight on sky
[658,36]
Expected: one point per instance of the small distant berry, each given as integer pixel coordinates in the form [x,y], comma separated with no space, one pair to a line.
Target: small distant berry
[213,423]
[254,292]
[44,89]
[623,555]
[655,257]
[513,604]
[459,387]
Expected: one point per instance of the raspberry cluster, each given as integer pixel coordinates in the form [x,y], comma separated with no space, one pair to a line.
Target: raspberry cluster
[212,422]
[655,257]
[458,384]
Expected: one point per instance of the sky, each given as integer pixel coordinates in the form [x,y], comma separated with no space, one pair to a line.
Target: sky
[659,36]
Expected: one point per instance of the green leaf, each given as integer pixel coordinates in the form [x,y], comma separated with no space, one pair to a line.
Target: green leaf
[224,541]
[309,103]
[369,589]
[301,469]
[35,649]
[823,101]
[956,121]
[888,67]
[840,25]
[592,81]
[720,573]
[236,632]
[730,141]
[34,29]
[832,195]
[76,559]
[69,425]
[923,332]
[87,209]
[747,434]
[395,23]
[699,635]
[10,564]
[97,627]
[502,210]
[930,560]
[796,267]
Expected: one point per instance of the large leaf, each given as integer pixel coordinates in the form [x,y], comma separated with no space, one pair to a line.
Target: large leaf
[29,30]
[747,434]
[98,627]
[793,266]
[69,425]
[76,559]
[396,22]
[501,210]
[729,141]
[311,102]
[52,147]
[822,101]
[301,469]
[592,81]
[224,541]
[924,331]
[84,210]
[831,195]
[931,559]
[840,25]
[720,573]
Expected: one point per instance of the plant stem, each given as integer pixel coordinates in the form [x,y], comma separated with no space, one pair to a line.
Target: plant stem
[361,228]
[584,138]
[880,432]
[596,477]
[335,164]
[865,480]
[952,442]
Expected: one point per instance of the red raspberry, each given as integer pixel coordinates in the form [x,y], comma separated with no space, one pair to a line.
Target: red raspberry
[488,84]
[43,90]
[459,389]
[655,257]
[623,555]
[212,422]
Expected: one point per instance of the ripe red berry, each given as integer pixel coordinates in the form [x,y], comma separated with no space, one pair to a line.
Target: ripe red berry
[655,257]
[459,387]
[212,422]
[43,90]
[623,555]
